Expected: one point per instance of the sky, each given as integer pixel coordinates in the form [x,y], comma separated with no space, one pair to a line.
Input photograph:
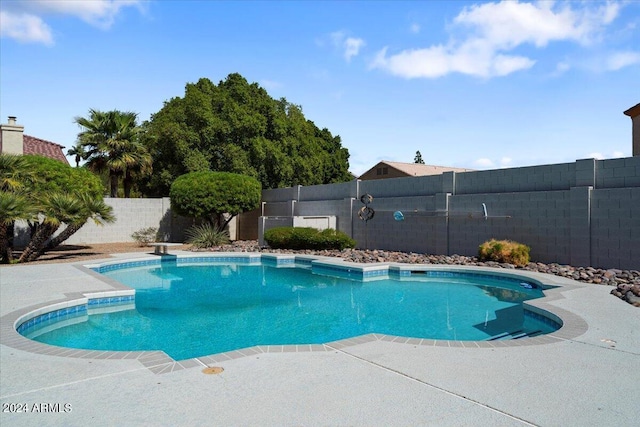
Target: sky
[472,84]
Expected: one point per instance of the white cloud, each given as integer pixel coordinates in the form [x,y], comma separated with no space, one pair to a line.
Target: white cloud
[510,23]
[24,21]
[25,28]
[484,163]
[439,61]
[599,156]
[414,28]
[620,60]
[491,31]
[350,46]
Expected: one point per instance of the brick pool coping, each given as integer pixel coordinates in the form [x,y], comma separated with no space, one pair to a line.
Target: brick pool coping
[159,362]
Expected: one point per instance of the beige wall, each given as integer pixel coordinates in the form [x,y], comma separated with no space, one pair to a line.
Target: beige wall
[634,114]
[379,172]
[636,135]
[12,137]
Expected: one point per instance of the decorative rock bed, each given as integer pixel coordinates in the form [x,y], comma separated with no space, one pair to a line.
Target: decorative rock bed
[626,282]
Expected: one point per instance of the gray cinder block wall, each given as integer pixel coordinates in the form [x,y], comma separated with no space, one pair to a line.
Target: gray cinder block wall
[581,213]
[133,215]
[585,213]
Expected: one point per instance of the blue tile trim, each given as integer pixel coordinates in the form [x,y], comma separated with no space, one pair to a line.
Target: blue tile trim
[465,274]
[107,301]
[51,317]
[236,259]
[544,319]
[178,261]
[349,272]
[45,319]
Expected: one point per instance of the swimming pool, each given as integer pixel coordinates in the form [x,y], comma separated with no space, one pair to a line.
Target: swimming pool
[198,306]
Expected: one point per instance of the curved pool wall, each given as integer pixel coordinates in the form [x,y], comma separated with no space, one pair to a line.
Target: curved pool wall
[72,310]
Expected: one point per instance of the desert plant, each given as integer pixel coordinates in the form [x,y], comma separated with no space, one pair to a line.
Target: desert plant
[307,238]
[504,251]
[206,236]
[49,194]
[145,236]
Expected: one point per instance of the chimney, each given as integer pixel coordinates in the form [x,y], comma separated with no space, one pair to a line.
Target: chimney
[11,137]
[634,113]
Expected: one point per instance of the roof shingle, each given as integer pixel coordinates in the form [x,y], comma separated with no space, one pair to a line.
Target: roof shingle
[41,147]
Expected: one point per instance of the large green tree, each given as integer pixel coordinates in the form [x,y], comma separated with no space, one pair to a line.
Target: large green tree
[237,127]
[111,143]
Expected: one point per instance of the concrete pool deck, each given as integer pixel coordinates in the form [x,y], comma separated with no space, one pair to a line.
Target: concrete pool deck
[585,374]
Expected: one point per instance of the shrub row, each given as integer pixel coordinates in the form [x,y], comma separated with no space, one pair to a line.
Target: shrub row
[307,238]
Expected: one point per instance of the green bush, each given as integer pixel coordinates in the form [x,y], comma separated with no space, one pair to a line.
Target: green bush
[307,238]
[145,236]
[206,236]
[210,195]
[52,176]
[504,251]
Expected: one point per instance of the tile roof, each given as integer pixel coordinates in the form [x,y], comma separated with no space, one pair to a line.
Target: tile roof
[33,145]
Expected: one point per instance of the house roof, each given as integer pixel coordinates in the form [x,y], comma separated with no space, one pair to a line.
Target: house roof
[633,111]
[416,169]
[41,147]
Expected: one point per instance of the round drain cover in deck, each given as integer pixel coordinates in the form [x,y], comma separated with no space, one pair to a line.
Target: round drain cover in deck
[212,370]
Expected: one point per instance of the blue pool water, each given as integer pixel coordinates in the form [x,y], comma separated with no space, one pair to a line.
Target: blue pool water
[195,310]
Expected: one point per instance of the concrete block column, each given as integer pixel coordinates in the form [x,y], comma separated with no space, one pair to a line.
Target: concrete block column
[580,231]
[345,220]
[449,182]
[442,223]
[586,172]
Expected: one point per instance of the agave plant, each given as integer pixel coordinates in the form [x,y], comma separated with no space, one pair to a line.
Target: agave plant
[206,236]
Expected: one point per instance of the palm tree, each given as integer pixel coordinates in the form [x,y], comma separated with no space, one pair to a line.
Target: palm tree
[78,151]
[110,139]
[138,164]
[13,172]
[13,207]
[92,208]
[57,208]
[15,177]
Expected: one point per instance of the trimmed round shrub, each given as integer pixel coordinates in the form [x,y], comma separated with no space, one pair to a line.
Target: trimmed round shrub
[209,194]
[504,251]
[307,238]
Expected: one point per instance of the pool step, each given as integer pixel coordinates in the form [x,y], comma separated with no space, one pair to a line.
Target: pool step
[497,337]
[514,335]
